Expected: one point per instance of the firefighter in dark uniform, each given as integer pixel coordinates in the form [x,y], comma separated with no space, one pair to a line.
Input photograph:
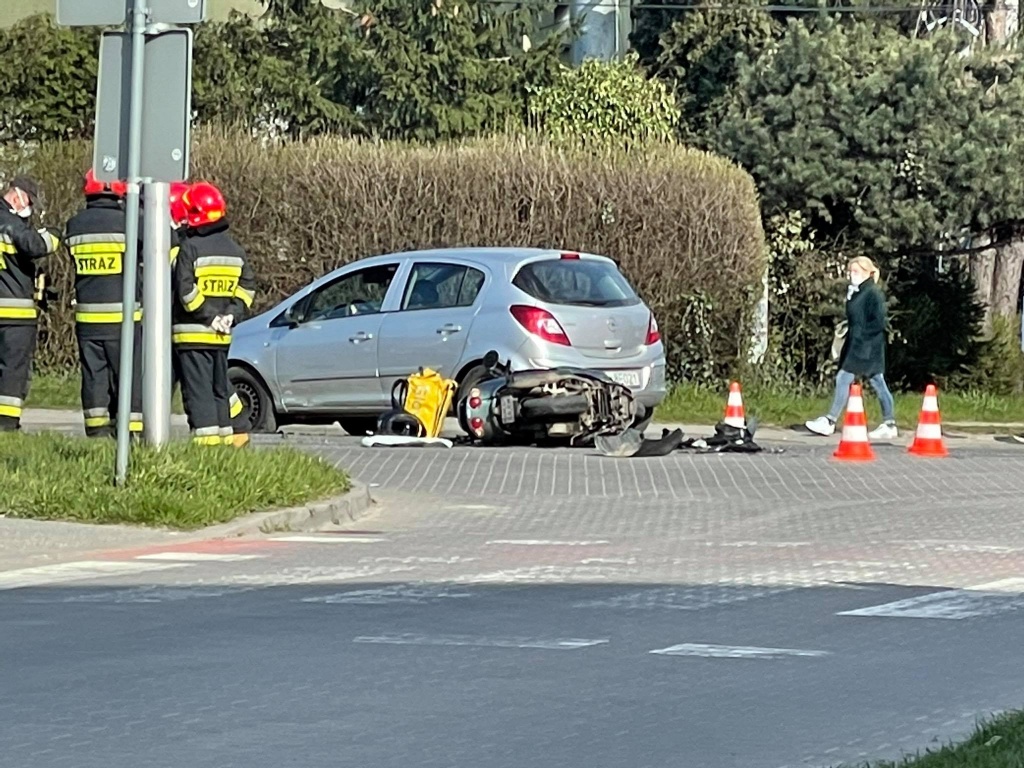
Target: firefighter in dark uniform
[214,286]
[20,247]
[179,217]
[95,236]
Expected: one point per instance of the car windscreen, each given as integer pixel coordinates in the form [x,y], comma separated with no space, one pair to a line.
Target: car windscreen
[576,282]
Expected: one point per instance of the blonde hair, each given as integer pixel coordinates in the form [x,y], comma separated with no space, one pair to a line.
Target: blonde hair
[863,262]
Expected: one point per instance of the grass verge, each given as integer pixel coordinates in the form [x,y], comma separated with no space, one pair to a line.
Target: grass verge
[49,390]
[55,477]
[997,743]
[700,405]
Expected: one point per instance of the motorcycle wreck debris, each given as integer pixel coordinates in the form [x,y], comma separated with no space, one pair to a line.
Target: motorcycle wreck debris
[727,439]
[574,405]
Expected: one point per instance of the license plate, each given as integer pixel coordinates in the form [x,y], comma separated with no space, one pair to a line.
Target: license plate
[508,409]
[629,379]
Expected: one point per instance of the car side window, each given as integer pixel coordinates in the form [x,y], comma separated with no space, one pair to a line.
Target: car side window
[440,286]
[357,293]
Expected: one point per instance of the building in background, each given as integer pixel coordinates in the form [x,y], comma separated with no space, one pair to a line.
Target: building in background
[604,28]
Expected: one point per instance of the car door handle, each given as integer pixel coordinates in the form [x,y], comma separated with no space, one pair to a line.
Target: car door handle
[449,328]
[361,336]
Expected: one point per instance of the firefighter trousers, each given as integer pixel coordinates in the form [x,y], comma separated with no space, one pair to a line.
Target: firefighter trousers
[100,360]
[17,348]
[205,393]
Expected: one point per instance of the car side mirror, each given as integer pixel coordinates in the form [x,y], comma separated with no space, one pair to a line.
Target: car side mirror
[293,316]
[491,359]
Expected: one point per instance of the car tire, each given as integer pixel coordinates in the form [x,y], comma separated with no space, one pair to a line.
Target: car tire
[358,426]
[257,405]
[557,406]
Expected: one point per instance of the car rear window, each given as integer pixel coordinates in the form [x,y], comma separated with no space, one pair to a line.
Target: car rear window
[578,282]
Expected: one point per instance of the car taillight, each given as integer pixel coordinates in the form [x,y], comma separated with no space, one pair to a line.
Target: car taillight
[477,425]
[541,323]
[573,256]
[653,334]
[474,402]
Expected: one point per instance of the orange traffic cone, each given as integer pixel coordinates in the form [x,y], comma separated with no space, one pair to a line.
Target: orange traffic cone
[854,445]
[734,415]
[928,439]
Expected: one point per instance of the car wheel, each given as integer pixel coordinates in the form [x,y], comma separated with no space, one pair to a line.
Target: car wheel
[358,426]
[257,406]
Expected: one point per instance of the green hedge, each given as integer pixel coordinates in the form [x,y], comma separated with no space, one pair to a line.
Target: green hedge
[684,225]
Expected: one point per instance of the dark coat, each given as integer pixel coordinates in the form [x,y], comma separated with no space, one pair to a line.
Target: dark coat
[864,350]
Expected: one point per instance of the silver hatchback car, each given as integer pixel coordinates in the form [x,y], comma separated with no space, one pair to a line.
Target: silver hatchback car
[333,350]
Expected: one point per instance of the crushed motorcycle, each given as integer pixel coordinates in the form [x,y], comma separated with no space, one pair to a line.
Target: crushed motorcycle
[568,405]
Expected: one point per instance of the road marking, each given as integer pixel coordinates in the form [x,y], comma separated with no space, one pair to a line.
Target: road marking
[328,574]
[148,594]
[682,598]
[424,560]
[733,651]
[546,543]
[411,594]
[330,539]
[197,557]
[78,571]
[558,644]
[953,604]
[546,574]
[1012,585]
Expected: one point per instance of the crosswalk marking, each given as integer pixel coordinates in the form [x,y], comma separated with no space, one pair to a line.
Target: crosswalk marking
[197,557]
[409,594]
[78,571]
[951,604]
[733,651]
[555,644]
[330,539]
[547,543]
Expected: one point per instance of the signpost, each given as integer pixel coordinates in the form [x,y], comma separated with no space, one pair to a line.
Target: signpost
[166,106]
[143,110]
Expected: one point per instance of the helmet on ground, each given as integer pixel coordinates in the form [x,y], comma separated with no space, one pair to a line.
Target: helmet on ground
[401,423]
[93,186]
[178,213]
[204,204]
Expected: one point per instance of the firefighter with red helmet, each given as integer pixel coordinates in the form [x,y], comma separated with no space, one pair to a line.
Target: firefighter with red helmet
[95,237]
[214,286]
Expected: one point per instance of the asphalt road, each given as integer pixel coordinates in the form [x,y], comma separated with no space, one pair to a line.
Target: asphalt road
[508,608]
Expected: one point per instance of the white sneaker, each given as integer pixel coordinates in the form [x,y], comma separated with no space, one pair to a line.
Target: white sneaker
[885,431]
[821,426]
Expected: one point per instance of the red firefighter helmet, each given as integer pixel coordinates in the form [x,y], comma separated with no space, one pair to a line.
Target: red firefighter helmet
[204,204]
[92,186]
[178,213]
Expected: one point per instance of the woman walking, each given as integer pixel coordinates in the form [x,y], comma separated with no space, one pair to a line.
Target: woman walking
[863,352]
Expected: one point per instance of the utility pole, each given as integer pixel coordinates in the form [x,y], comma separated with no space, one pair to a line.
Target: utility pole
[137,37]
[156,322]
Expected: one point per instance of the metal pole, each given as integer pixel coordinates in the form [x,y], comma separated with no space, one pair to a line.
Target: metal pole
[124,394]
[156,322]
